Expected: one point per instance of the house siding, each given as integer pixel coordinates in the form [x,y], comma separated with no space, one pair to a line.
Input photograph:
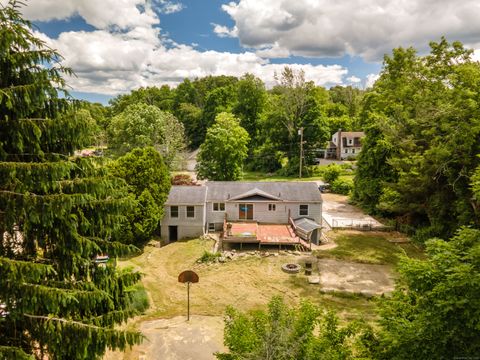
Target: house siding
[232,193]
[187,227]
[262,214]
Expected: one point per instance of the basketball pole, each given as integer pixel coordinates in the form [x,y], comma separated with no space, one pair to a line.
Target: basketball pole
[188,301]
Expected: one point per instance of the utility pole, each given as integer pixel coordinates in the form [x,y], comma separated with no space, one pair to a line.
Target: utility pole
[300,132]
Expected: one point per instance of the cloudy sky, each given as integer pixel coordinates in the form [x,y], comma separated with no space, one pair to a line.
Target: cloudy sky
[118,45]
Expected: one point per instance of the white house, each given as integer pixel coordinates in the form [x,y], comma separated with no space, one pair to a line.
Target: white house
[295,207]
[345,144]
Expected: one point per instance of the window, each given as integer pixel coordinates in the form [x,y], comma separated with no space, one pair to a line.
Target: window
[218,206]
[303,210]
[272,207]
[345,151]
[190,211]
[174,211]
[350,141]
[211,226]
[353,151]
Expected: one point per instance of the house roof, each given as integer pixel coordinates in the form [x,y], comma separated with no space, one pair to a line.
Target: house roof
[256,193]
[286,191]
[191,195]
[353,134]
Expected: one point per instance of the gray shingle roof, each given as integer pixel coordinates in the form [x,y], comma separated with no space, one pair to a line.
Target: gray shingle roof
[189,195]
[286,191]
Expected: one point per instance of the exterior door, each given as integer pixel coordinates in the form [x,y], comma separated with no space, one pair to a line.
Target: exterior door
[245,211]
[172,233]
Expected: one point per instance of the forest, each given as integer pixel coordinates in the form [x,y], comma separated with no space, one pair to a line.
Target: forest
[419,162]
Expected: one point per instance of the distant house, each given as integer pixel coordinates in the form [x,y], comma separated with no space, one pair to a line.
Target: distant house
[279,213]
[344,145]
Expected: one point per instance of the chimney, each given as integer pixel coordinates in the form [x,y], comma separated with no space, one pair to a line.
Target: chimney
[339,144]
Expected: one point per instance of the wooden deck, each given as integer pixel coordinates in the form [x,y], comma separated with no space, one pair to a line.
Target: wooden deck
[262,234]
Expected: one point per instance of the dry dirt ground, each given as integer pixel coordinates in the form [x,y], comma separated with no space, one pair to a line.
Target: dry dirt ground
[353,277]
[337,212]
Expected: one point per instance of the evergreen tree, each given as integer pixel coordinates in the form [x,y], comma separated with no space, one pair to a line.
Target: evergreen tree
[57,212]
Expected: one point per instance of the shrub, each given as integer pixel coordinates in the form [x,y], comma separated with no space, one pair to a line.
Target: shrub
[139,298]
[331,173]
[342,186]
[208,257]
[183,179]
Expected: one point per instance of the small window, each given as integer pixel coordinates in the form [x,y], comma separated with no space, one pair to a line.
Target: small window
[211,226]
[218,206]
[303,210]
[272,207]
[353,151]
[190,211]
[174,211]
[350,141]
[345,151]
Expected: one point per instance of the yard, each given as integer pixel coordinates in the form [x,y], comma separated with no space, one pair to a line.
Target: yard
[247,283]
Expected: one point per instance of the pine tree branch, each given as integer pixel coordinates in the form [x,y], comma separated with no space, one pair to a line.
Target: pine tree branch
[65,321]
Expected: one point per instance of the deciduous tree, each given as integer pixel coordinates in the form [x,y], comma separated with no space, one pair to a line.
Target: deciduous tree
[434,312]
[142,125]
[222,154]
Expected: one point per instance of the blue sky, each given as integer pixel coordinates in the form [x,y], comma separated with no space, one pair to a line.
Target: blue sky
[115,46]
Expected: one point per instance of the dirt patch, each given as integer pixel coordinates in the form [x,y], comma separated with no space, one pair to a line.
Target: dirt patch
[352,277]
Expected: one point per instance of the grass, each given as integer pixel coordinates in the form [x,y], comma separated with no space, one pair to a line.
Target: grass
[261,176]
[247,283]
[370,248]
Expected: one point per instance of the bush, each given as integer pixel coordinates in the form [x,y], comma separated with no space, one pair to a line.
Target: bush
[331,173]
[342,186]
[208,257]
[183,179]
[139,298]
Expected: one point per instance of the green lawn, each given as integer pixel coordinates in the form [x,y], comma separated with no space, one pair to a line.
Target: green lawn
[261,176]
[369,248]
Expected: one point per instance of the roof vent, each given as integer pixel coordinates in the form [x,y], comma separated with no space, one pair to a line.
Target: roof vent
[228,196]
[279,194]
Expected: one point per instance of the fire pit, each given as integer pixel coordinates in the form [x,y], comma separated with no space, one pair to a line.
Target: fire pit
[291,268]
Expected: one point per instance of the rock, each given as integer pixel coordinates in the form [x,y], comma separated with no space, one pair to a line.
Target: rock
[314,279]
[298,253]
[367,294]
[266,254]
[229,256]
[281,252]
[221,259]
[275,254]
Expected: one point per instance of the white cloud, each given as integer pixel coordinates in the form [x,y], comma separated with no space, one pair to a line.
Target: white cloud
[127,50]
[112,63]
[118,14]
[170,7]
[224,31]
[370,80]
[476,55]
[354,79]
[366,28]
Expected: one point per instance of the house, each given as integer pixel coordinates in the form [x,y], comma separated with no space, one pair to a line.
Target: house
[345,145]
[280,213]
